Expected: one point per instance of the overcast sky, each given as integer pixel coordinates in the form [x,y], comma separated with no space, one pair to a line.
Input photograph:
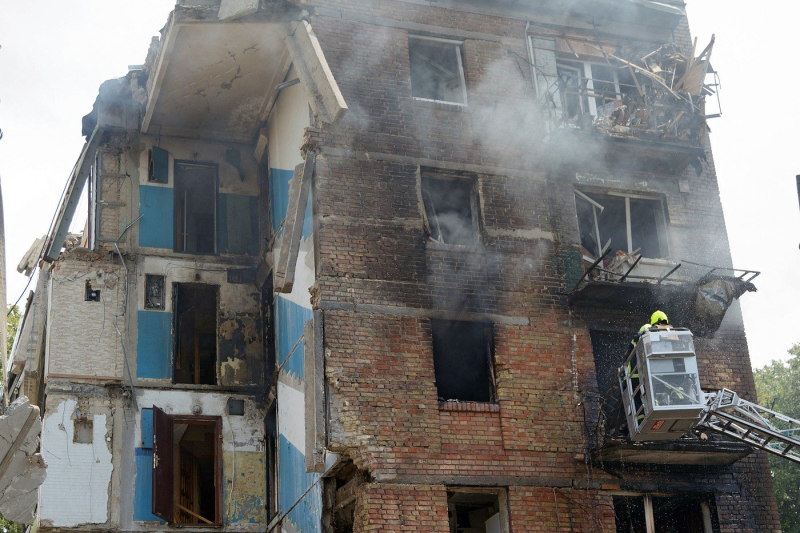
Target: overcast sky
[55,54]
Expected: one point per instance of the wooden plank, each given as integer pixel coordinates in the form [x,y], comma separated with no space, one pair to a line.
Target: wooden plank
[185,510]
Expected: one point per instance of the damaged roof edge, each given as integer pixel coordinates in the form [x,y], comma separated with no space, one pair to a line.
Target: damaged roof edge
[660,6]
[71,197]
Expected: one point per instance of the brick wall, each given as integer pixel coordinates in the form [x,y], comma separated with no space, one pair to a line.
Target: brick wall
[380,282]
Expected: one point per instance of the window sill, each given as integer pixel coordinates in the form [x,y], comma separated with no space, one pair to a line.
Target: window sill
[468,248]
[440,105]
[474,407]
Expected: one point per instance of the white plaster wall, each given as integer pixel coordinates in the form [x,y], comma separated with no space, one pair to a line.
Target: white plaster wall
[78,475]
[286,126]
[291,415]
[239,433]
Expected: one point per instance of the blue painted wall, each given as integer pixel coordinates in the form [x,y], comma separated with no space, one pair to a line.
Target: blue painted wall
[154,345]
[290,319]
[156,226]
[279,194]
[143,493]
[307,516]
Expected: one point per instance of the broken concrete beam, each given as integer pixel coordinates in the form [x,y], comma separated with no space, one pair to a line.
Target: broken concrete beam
[22,470]
[299,188]
[234,9]
[30,259]
[317,79]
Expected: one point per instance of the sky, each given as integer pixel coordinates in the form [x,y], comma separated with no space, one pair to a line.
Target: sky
[54,55]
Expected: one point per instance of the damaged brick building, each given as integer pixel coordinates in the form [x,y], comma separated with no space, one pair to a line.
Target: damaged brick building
[372,265]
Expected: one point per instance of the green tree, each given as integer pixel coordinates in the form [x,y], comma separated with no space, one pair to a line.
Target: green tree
[778,386]
[13,317]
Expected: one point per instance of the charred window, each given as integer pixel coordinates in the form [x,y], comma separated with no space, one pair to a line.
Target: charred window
[450,210]
[195,333]
[475,512]
[592,88]
[609,349]
[621,222]
[339,494]
[187,468]
[437,71]
[195,208]
[463,360]
[666,514]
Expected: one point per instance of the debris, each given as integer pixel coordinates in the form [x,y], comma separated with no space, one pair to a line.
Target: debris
[22,470]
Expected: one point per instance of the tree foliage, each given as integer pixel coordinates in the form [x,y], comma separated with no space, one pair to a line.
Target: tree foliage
[778,386]
[14,316]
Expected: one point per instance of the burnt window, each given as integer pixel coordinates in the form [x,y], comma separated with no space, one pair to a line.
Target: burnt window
[463,360]
[666,514]
[609,349]
[339,494]
[195,208]
[195,333]
[154,292]
[437,70]
[187,468]
[475,512]
[594,89]
[450,210]
[621,222]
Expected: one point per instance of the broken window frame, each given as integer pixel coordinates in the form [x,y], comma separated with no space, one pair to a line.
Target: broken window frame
[710,521]
[587,95]
[458,49]
[176,336]
[502,497]
[488,330]
[429,206]
[180,219]
[164,446]
[661,220]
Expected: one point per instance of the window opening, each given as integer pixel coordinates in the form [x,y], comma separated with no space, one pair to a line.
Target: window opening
[186,468]
[195,208]
[688,513]
[477,512]
[437,71]
[609,349]
[450,210]
[83,431]
[340,492]
[463,360]
[630,224]
[154,292]
[195,334]
[594,89]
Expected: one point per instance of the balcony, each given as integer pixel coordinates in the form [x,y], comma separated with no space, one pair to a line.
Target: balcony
[645,113]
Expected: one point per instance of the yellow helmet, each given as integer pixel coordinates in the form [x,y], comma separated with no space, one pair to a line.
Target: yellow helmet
[659,317]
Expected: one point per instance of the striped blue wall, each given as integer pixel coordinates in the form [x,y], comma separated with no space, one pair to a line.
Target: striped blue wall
[307,516]
[290,319]
[279,194]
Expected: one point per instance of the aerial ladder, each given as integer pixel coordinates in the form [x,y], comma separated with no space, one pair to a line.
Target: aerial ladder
[662,399]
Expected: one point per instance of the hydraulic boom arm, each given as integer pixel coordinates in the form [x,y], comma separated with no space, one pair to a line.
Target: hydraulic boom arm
[753,424]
